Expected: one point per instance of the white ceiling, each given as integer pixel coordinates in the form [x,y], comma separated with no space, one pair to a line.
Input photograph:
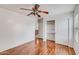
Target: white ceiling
[53,9]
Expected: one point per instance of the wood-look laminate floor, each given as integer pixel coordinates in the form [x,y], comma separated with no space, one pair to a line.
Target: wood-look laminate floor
[40,47]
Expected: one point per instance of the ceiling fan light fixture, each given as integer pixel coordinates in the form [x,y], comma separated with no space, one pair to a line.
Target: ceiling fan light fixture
[35,11]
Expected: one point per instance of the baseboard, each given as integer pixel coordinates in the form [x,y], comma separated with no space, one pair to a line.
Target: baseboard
[15,46]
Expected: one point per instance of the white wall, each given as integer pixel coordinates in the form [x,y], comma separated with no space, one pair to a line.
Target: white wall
[61,29]
[76,44]
[15,29]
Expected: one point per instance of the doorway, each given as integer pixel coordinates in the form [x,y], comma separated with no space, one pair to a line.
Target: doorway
[50,30]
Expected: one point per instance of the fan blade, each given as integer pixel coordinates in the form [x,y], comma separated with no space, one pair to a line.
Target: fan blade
[38,15]
[43,12]
[25,9]
[29,14]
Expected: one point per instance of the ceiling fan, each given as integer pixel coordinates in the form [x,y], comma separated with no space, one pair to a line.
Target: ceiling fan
[35,10]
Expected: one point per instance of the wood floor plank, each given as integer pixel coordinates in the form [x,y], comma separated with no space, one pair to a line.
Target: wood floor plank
[40,47]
